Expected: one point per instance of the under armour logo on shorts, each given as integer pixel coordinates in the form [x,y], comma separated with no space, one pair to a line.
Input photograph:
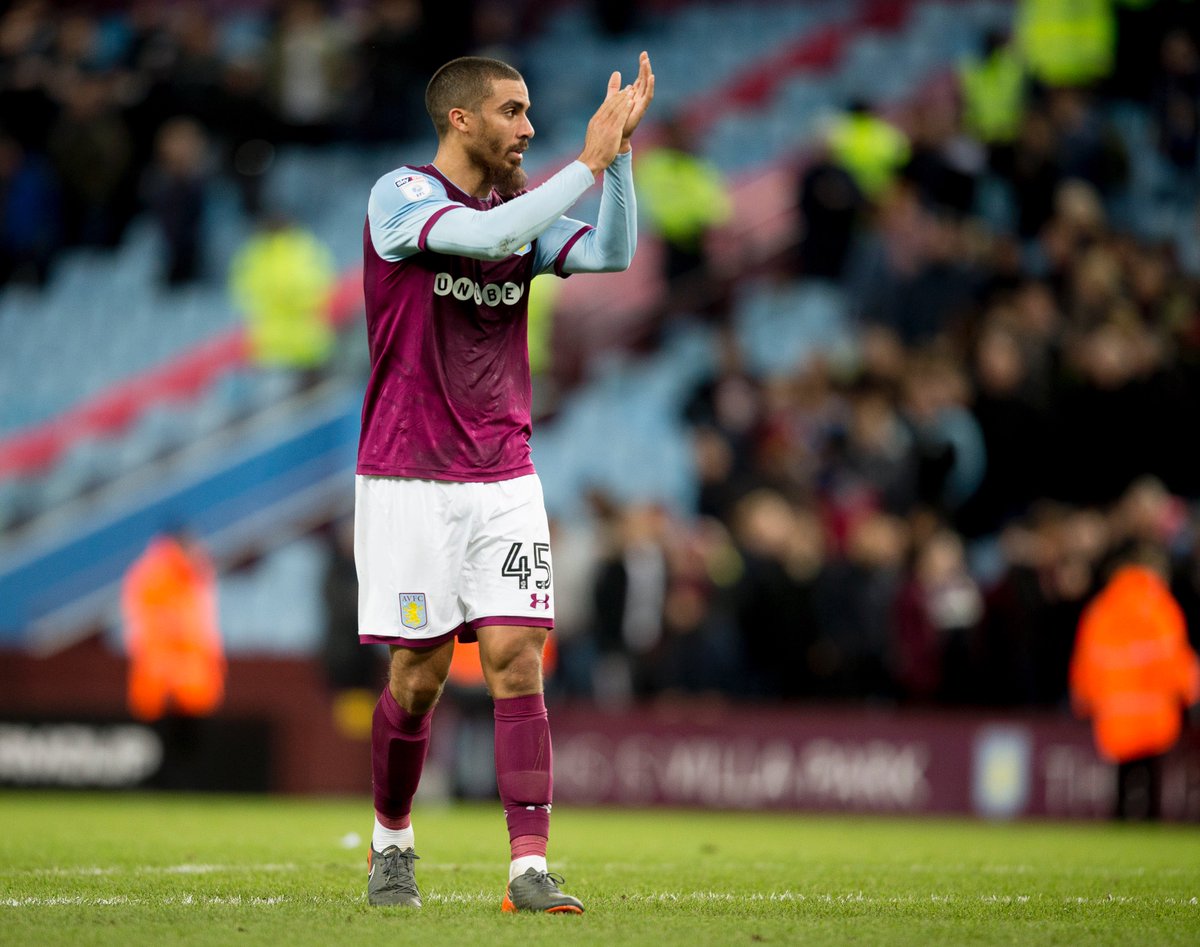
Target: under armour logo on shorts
[539,601]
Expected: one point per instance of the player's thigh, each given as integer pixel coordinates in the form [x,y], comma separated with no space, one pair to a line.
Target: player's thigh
[509,576]
[511,656]
[410,544]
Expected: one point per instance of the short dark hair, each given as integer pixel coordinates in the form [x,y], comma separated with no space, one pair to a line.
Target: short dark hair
[463,83]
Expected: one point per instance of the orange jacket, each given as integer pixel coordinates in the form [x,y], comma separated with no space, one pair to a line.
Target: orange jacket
[175,653]
[1133,671]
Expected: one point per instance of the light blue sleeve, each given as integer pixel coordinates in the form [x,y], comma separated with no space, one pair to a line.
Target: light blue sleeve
[559,236]
[610,247]
[398,209]
[498,232]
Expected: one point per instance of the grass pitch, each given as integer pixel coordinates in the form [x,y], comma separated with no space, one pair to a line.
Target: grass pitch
[152,869]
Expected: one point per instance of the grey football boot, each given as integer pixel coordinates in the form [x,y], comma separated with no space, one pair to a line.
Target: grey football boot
[538,891]
[391,880]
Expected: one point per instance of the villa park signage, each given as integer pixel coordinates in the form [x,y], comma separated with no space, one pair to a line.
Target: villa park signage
[851,761]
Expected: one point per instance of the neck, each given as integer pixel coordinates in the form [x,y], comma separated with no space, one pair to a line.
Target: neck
[462,172]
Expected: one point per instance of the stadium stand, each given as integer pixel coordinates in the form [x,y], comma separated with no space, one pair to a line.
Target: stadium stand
[775,75]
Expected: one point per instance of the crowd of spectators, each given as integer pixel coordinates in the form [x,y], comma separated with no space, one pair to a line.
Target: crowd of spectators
[109,109]
[926,524]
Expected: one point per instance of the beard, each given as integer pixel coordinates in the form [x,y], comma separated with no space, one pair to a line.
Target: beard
[492,157]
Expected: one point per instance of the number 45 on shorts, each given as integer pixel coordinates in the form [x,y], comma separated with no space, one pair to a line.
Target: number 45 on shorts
[516,565]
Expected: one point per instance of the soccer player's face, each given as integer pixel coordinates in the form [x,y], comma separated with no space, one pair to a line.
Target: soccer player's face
[504,133]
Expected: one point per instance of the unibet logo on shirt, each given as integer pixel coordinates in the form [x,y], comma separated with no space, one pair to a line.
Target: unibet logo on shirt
[491,294]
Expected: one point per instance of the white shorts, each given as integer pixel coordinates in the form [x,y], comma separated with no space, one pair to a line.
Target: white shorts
[438,559]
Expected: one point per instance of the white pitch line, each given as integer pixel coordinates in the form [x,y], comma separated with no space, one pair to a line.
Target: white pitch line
[190,869]
[916,868]
[90,871]
[666,897]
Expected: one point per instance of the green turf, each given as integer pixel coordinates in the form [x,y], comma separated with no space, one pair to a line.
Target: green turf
[146,869]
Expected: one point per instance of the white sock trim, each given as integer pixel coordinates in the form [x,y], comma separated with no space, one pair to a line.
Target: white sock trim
[382,837]
[519,866]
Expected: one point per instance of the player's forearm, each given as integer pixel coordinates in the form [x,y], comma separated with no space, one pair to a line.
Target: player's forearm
[494,234]
[610,247]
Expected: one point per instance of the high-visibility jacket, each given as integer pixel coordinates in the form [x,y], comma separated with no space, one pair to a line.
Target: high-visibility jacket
[993,92]
[176,660]
[1132,670]
[282,280]
[682,195]
[543,295]
[1067,42]
[870,149]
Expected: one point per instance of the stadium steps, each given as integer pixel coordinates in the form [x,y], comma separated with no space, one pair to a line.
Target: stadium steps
[243,491]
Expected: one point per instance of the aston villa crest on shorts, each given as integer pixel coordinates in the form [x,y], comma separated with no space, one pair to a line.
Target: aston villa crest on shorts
[413,613]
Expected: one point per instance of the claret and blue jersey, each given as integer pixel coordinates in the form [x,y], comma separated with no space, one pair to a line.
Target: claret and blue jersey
[449,393]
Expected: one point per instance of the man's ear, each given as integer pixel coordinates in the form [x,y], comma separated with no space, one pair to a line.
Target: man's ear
[460,120]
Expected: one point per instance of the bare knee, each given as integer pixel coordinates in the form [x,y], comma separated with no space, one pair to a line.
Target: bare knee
[520,676]
[416,677]
[416,694]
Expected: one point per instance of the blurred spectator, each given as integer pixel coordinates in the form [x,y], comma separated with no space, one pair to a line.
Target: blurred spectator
[392,58]
[831,207]
[1133,674]
[1034,172]
[309,71]
[247,128]
[176,660]
[543,297]
[699,653]
[1176,106]
[938,610]
[993,89]
[1012,428]
[919,274]
[714,459]
[951,458]
[577,549]
[1067,42]
[854,600]
[194,72]
[92,150]
[174,191]
[871,464]
[29,214]
[803,414]
[630,593]
[730,403]
[281,279]
[870,148]
[944,164]
[1105,419]
[1053,556]
[353,672]
[348,665]
[683,197]
[783,553]
[1088,149]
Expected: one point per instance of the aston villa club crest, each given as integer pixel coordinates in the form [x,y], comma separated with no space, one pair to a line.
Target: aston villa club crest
[413,613]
